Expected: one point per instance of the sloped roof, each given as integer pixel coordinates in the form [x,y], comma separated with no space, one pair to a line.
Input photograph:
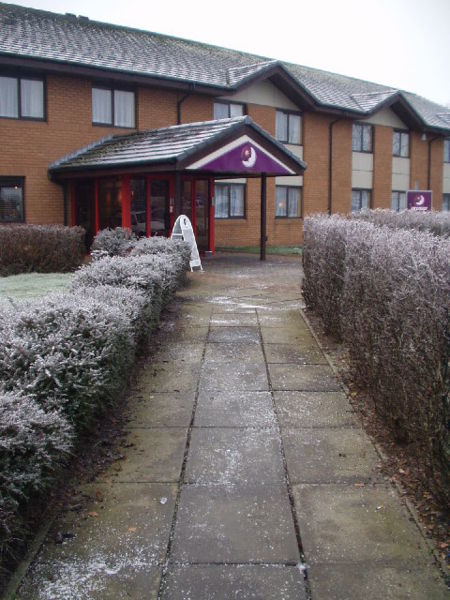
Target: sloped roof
[169,145]
[78,42]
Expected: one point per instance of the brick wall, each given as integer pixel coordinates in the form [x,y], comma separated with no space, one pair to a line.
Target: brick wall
[342,167]
[436,171]
[316,155]
[418,162]
[382,167]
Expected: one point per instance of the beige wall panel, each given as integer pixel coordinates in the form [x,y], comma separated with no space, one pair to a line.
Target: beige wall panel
[362,161]
[400,173]
[386,117]
[446,179]
[264,93]
[362,179]
[296,180]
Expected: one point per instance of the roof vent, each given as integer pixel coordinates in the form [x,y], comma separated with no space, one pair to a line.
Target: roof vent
[71,15]
[83,18]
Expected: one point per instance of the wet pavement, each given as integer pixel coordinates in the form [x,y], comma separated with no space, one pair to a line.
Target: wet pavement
[245,473]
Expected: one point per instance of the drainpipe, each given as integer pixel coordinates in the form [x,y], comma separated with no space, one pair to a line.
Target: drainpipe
[437,137]
[330,165]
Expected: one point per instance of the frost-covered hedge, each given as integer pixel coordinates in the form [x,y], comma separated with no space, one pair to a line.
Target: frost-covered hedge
[434,222]
[386,293]
[113,242]
[40,248]
[65,358]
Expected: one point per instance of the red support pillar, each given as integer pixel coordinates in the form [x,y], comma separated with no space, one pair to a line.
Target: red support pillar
[173,200]
[97,220]
[148,222]
[126,202]
[211,215]
[74,204]
[194,206]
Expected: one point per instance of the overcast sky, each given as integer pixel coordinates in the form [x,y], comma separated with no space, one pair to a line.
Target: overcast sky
[400,43]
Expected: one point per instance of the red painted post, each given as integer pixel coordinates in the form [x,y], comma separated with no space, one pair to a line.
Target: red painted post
[148,222]
[97,224]
[74,204]
[172,203]
[194,206]
[211,215]
[126,202]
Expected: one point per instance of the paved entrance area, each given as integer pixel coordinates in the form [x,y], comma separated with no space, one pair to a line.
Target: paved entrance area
[244,472]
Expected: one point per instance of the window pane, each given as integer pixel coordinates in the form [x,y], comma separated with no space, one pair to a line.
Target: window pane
[365,199]
[396,143]
[32,98]
[221,110]
[404,151]
[236,110]
[446,202]
[138,205]
[281,201]
[356,201]
[294,202]
[123,109]
[101,106]
[221,202]
[367,138]
[447,151]
[281,126]
[8,97]
[356,138]
[11,204]
[236,200]
[294,129]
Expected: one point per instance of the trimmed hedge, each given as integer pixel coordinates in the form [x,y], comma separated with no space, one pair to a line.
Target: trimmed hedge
[65,359]
[388,298]
[113,242]
[434,222]
[40,248]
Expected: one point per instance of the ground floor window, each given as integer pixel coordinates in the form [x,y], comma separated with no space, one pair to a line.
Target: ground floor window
[398,201]
[12,207]
[446,202]
[110,203]
[229,201]
[360,199]
[288,202]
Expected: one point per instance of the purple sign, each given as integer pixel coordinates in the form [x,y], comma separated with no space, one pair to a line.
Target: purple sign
[246,158]
[419,199]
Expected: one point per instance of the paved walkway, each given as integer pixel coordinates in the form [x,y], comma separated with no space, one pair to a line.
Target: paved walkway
[245,473]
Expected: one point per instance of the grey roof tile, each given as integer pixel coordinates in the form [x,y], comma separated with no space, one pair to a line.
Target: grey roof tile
[78,41]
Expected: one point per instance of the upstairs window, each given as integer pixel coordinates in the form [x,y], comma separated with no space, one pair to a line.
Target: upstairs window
[288,126]
[227,110]
[113,107]
[398,201]
[229,201]
[445,202]
[447,150]
[22,98]
[11,200]
[362,137]
[400,144]
[288,202]
[360,199]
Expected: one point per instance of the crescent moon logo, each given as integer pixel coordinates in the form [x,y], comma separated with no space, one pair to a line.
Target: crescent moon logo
[249,157]
[420,200]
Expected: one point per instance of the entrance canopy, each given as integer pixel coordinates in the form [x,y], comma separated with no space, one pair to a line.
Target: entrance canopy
[223,148]
[145,180]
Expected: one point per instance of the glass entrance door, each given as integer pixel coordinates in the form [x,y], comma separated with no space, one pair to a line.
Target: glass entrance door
[159,203]
[202,213]
[85,209]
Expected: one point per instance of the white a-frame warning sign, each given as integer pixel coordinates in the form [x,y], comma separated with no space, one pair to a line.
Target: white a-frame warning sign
[182,230]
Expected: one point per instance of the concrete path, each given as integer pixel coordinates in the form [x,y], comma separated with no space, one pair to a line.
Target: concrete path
[244,472]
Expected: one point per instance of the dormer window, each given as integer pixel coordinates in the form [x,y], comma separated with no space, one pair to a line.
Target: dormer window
[288,126]
[227,110]
[113,107]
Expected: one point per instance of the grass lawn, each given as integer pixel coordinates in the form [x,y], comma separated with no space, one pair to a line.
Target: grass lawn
[269,249]
[31,285]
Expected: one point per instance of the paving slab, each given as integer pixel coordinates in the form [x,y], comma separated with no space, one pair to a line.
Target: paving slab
[150,455]
[340,523]
[117,546]
[169,377]
[371,581]
[245,582]
[343,455]
[286,335]
[315,378]
[244,456]
[234,319]
[314,409]
[185,333]
[229,352]
[234,409]
[180,351]
[297,354]
[236,376]
[219,524]
[222,308]
[234,335]
[161,409]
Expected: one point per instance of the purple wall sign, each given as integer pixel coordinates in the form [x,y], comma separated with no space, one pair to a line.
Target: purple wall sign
[246,158]
[419,199]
